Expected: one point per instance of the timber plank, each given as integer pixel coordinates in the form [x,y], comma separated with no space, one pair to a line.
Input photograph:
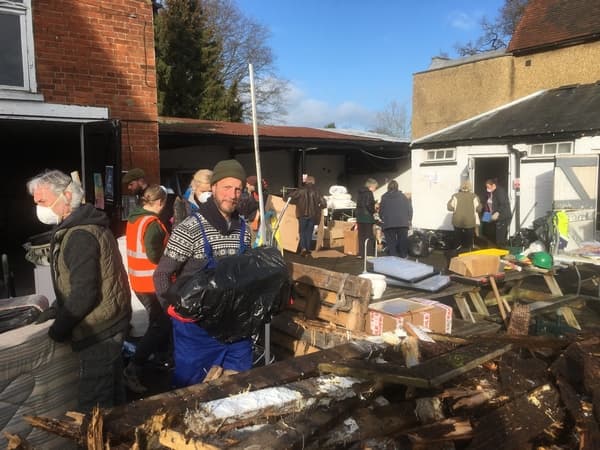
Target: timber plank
[120,422]
[431,373]
[330,280]
[314,332]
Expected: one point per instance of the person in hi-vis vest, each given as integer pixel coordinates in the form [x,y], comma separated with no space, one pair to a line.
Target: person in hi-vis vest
[146,239]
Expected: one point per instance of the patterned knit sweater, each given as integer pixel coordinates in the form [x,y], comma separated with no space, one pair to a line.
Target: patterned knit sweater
[185,251]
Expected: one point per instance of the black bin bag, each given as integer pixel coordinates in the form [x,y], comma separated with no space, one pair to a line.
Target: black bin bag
[235,300]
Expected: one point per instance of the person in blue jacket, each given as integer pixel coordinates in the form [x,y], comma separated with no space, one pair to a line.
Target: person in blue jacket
[396,212]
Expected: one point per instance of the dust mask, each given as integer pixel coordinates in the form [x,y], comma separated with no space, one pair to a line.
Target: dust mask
[46,215]
[204,196]
[489,190]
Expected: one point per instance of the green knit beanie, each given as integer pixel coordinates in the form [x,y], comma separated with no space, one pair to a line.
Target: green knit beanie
[228,168]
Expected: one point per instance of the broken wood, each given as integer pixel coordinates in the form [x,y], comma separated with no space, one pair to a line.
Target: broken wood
[503,307]
[120,422]
[567,314]
[351,285]
[430,373]
[247,408]
[451,429]
[68,429]
[513,425]
[15,442]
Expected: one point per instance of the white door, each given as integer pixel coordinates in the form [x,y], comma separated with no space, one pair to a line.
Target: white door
[575,191]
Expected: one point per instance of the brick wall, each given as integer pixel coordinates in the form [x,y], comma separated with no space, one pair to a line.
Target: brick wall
[94,53]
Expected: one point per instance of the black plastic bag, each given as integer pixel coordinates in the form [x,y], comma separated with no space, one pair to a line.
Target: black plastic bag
[236,299]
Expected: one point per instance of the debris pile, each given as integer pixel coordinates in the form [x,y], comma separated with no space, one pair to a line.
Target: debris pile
[504,392]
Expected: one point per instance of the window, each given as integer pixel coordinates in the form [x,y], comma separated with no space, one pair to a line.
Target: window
[16,52]
[444,154]
[554,148]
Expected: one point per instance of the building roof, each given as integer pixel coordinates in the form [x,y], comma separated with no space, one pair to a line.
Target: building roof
[180,132]
[548,23]
[566,112]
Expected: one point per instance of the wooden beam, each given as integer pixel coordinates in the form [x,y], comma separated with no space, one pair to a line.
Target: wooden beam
[430,373]
[331,281]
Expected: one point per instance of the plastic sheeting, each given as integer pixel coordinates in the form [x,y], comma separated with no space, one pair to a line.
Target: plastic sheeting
[235,300]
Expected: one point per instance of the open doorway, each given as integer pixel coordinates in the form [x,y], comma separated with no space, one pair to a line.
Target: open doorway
[489,167]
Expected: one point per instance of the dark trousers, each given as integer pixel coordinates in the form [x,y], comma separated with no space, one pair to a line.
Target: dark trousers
[158,335]
[502,234]
[101,374]
[306,227]
[365,231]
[396,241]
[464,237]
[496,232]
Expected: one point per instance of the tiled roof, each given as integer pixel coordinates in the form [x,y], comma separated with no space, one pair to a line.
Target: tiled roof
[567,112]
[554,22]
[177,132]
[196,126]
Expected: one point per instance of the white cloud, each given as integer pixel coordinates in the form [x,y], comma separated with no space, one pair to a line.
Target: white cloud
[463,21]
[311,112]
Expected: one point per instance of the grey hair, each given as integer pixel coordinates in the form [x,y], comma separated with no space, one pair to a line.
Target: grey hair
[371,182]
[58,182]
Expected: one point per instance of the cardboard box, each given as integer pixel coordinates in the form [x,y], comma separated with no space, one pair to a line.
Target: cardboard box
[475,265]
[440,320]
[351,242]
[333,243]
[336,228]
[391,314]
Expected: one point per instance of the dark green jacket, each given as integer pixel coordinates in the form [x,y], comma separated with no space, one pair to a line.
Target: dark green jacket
[93,299]
[365,206]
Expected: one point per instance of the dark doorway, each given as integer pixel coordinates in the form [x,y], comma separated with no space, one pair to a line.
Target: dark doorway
[490,167]
[33,146]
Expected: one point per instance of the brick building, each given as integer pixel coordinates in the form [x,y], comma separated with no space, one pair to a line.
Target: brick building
[77,92]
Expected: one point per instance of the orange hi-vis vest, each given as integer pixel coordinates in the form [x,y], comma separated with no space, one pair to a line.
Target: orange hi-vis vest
[140,268]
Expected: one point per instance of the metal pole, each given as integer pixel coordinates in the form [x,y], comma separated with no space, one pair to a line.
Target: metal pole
[261,207]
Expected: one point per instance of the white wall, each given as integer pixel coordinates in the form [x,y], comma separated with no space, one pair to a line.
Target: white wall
[432,185]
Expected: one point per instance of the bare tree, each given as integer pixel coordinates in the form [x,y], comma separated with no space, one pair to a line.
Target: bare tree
[496,34]
[243,42]
[393,120]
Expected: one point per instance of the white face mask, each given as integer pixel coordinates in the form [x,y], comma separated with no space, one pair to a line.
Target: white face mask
[204,196]
[46,215]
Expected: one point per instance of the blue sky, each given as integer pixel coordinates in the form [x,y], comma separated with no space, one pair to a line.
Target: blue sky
[346,60]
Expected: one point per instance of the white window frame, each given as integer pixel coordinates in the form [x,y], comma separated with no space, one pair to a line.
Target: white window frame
[550,149]
[24,11]
[440,154]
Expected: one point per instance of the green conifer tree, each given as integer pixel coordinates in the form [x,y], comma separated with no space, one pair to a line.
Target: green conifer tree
[189,67]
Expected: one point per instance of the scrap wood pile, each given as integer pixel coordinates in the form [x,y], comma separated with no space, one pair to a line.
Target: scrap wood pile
[332,306]
[497,391]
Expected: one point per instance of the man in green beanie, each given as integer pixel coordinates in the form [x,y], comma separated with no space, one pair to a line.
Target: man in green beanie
[213,232]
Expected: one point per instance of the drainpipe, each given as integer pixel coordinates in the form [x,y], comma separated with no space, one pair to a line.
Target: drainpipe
[517,188]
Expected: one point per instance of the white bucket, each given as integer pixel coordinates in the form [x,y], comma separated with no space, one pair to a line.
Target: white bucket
[378,283]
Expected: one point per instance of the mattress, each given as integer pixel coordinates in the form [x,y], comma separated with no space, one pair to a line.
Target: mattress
[38,377]
[402,269]
[433,283]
